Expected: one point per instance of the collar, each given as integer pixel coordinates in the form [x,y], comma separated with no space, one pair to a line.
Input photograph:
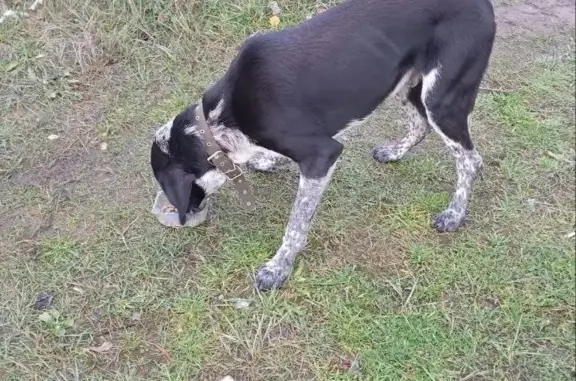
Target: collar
[222,162]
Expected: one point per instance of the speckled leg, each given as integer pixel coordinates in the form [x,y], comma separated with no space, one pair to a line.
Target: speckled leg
[418,128]
[468,167]
[396,150]
[451,122]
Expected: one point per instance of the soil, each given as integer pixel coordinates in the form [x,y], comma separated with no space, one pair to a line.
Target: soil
[533,18]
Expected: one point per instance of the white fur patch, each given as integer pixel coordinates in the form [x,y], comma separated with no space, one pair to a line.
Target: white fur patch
[240,148]
[428,83]
[213,115]
[190,130]
[162,136]
[211,181]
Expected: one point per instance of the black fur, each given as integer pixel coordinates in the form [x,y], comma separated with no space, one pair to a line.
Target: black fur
[292,90]
[306,83]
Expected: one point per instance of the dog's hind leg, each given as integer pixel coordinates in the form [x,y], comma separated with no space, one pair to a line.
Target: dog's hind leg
[448,115]
[417,131]
[449,89]
[316,169]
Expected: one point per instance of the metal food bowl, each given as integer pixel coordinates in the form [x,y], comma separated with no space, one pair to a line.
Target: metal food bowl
[170,219]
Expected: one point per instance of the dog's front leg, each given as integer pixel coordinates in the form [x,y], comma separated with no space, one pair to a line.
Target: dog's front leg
[314,178]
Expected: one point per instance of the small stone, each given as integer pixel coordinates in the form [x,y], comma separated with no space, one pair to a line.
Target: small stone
[44,301]
[104,347]
[274,8]
[240,304]
[52,137]
[103,146]
[35,5]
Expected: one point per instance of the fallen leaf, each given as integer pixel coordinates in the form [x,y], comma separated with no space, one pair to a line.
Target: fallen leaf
[350,364]
[59,331]
[104,347]
[274,21]
[78,289]
[354,366]
[11,66]
[45,317]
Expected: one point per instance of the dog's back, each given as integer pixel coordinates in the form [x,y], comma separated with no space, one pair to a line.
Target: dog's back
[357,50]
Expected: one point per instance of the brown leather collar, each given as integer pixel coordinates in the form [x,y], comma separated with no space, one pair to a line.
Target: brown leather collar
[222,162]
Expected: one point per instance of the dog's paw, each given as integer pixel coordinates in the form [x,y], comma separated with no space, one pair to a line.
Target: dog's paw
[272,277]
[388,153]
[448,221]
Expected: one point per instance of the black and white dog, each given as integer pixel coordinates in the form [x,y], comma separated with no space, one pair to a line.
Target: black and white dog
[288,94]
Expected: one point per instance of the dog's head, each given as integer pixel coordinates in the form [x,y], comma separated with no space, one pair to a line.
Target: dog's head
[179,162]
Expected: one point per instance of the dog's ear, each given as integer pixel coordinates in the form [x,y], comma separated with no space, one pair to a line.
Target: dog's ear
[177,184]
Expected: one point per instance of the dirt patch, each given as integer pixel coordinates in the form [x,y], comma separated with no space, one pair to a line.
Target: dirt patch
[65,170]
[534,19]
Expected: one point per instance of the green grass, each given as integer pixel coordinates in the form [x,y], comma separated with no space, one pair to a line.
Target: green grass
[495,301]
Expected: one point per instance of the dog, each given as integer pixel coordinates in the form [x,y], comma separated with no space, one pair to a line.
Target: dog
[289,94]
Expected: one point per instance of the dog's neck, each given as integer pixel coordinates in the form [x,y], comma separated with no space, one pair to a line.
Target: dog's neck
[232,141]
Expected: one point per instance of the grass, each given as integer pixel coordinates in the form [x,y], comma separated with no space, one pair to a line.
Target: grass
[134,301]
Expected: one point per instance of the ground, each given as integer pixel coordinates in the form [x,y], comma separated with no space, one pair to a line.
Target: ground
[93,288]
